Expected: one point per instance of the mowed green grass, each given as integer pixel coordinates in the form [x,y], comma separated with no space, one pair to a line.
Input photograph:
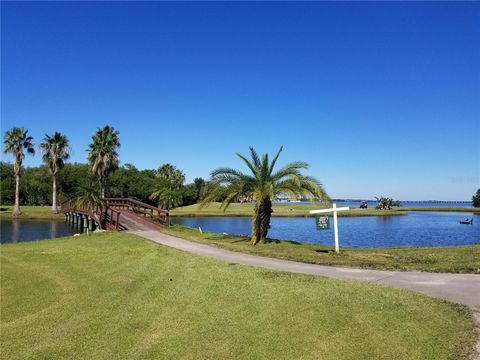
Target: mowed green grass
[31,212]
[452,259]
[288,210]
[117,296]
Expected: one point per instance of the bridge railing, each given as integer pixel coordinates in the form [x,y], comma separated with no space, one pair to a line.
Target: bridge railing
[109,216]
[149,212]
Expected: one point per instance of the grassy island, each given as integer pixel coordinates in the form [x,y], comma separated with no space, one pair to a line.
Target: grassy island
[298,210]
[280,210]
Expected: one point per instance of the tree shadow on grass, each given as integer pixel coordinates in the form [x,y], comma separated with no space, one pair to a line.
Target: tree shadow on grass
[276,241]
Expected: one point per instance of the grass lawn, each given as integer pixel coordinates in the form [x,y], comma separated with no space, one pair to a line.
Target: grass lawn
[30,212]
[114,295]
[455,259]
[289,210]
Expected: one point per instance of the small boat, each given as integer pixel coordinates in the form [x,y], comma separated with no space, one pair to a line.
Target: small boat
[466,221]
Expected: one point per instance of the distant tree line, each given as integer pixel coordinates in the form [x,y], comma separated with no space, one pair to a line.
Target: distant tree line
[126,181]
[57,181]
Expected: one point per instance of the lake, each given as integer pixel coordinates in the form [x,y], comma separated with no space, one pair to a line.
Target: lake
[414,229]
[411,204]
[18,230]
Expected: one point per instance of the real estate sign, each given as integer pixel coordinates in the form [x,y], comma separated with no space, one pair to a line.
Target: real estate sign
[322,222]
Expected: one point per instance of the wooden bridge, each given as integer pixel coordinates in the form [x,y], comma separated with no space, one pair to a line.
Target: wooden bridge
[118,214]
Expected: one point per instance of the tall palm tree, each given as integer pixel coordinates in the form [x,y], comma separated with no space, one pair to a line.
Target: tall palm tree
[102,154]
[16,140]
[262,184]
[55,150]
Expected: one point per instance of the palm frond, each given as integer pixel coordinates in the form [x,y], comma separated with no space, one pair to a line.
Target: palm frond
[252,167]
[274,161]
[255,157]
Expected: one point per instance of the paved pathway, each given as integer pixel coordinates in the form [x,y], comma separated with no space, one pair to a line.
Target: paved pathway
[459,288]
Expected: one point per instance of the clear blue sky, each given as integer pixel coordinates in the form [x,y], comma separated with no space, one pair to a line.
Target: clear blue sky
[380,98]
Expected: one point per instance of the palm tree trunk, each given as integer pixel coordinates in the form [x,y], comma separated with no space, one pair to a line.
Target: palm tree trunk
[16,209]
[256,234]
[265,215]
[54,195]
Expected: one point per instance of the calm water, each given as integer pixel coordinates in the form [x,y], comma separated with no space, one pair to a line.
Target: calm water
[423,204]
[414,229]
[13,231]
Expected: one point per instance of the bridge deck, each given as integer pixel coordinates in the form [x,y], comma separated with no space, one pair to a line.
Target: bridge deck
[136,222]
[121,214]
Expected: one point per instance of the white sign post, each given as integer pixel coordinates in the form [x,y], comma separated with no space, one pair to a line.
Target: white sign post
[334,209]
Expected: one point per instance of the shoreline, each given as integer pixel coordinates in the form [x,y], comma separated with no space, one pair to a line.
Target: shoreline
[448,259]
[243,210]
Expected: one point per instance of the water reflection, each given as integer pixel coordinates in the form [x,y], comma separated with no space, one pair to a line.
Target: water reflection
[19,230]
[53,229]
[15,231]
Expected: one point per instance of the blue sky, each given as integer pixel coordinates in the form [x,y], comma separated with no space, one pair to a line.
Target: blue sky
[381,98]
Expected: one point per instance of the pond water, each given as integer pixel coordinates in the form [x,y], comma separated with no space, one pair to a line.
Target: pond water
[18,230]
[421,204]
[414,229]
[417,204]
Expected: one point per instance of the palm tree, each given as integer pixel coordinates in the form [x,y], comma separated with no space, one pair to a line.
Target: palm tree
[55,150]
[173,175]
[90,199]
[102,154]
[263,184]
[16,140]
[386,203]
[169,192]
[167,197]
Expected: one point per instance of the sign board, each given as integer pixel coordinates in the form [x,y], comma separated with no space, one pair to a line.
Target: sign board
[322,222]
